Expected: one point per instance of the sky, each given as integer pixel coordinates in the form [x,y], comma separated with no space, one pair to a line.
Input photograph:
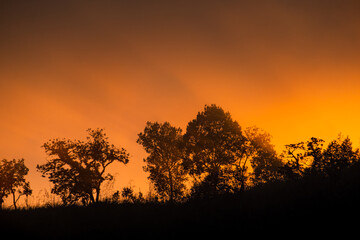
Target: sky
[289,67]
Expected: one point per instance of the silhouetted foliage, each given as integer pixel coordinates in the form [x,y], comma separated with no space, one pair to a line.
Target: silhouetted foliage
[77,169]
[310,158]
[238,180]
[315,151]
[129,196]
[264,160]
[215,150]
[164,144]
[282,206]
[338,156]
[12,180]
[223,159]
[295,161]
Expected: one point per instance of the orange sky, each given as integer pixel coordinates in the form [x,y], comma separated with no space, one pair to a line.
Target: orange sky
[289,67]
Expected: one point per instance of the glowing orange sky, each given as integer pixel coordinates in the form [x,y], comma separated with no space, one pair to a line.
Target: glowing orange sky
[289,67]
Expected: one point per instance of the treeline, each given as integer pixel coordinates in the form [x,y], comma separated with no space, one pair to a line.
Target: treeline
[214,157]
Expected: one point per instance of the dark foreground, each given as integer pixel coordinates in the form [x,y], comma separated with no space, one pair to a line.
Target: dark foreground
[311,206]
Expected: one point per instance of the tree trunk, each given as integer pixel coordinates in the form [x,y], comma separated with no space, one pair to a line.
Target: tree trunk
[14,199]
[171,187]
[92,200]
[242,185]
[97,194]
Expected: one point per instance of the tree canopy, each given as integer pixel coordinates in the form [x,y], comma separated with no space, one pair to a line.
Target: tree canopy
[311,158]
[217,155]
[12,180]
[215,148]
[265,162]
[164,144]
[77,168]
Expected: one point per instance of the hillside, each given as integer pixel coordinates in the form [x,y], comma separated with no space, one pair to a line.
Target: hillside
[313,204]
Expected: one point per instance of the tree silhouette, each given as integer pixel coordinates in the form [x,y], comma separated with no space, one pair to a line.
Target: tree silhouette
[215,150]
[295,161]
[128,194]
[164,144]
[264,160]
[314,149]
[311,158]
[77,169]
[337,156]
[12,180]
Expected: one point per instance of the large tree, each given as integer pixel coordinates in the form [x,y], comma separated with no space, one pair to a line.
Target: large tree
[215,150]
[164,144]
[12,180]
[77,168]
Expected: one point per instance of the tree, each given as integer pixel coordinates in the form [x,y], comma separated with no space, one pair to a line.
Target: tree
[338,156]
[77,169]
[311,158]
[215,149]
[12,180]
[264,160]
[129,196]
[164,144]
[303,159]
[315,151]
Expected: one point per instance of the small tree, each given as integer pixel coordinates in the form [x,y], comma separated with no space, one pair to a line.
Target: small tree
[12,180]
[295,161]
[264,160]
[77,169]
[163,143]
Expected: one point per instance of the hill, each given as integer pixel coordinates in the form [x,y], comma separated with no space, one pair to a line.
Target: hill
[311,205]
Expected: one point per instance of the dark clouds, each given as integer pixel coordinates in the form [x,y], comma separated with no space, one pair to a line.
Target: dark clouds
[256,37]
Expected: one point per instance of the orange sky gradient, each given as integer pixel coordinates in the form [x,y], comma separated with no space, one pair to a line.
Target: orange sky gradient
[291,68]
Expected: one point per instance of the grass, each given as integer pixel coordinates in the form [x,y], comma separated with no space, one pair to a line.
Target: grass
[313,204]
